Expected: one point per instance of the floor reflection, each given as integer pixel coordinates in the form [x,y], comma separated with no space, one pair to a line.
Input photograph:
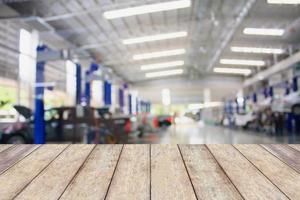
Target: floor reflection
[198,133]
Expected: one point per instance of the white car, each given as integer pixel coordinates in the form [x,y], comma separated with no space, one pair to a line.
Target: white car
[289,103]
[244,119]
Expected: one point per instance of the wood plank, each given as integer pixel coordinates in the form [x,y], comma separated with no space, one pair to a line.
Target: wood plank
[14,154]
[295,146]
[93,179]
[54,179]
[17,177]
[250,182]
[284,177]
[169,178]
[5,146]
[207,176]
[132,176]
[285,153]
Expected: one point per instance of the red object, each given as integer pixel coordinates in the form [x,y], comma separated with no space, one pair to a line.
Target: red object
[128,126]
[169,119]
[155,122]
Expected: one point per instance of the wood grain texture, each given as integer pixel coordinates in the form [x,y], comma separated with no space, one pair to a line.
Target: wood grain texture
[169,178]
[284,177]
[14,154]
[17,177]
[54,179]
[93,180]
[295,146]
[285,153]
[5,146]
[131,180]
[208,178]
[251,183]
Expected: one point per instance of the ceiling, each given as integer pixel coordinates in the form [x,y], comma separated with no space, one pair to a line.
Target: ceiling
[211,25]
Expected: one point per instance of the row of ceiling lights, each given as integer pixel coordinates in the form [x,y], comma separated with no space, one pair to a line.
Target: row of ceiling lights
[258,32]
[152,8]
[179,4]
[255,63]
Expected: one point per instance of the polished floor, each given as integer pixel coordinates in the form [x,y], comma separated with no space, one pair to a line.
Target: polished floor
[199,133]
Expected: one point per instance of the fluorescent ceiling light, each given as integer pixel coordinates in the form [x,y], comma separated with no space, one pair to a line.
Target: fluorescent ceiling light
[151,8]
[163,65]
[242,62]
[155,37]
[257,50]
[245,72]
[284,1]
[164,73]
[263,31]
[159,54]
[205,105]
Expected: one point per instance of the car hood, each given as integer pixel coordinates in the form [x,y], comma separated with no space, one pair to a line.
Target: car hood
[24,111]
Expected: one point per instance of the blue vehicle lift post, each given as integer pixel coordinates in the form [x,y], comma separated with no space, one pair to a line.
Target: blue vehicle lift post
[78,83]
[45,54]
[39,122]
[130,104]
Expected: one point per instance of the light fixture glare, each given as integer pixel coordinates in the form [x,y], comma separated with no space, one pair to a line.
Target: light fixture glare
[144,9]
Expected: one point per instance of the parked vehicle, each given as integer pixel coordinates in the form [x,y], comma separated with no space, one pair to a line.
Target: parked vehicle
[146,123]
[118,126]
[287,104]
[69,124]
[244,120]
[165,120]
[63,124]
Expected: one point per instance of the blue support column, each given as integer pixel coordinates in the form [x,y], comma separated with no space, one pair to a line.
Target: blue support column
[88,73]
[254,97]
[137,106]
[107,93]
[130,104]
[104,92]
[39,122]
[287,88]
[271,93]
[87,91]
[295,84]
[121,99]
[78,84]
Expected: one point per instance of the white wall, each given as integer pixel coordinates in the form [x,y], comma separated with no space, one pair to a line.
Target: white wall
[184,91]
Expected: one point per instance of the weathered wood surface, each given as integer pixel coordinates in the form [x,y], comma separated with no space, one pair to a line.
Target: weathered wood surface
[251,183]
[209,179]
[130,172]
[14,154]
[131,179]
[295,146]
[55,178]
[169,178]
[283,176]
[93,180]
[285,153]
[5,146]
[18,176]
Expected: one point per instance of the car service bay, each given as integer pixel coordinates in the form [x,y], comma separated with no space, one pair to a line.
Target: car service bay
[121,71]
[150,99]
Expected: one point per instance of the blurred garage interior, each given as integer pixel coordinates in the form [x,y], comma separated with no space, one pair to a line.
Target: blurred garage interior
[149,71]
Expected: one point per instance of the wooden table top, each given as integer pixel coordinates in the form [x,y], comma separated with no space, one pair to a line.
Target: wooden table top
[150,172]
